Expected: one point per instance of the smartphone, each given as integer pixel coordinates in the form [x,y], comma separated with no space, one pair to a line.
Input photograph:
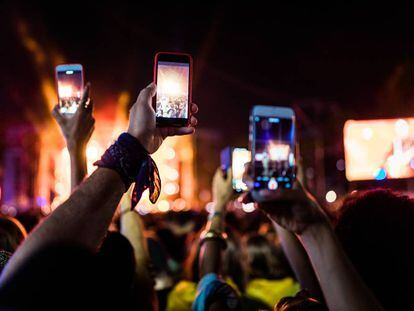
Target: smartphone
[173,76]
[69,79]
[235,158]
[272,141]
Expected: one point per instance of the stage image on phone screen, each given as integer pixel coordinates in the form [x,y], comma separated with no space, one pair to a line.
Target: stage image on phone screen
[172,90]
[70,88]
[274,159]
[240,157]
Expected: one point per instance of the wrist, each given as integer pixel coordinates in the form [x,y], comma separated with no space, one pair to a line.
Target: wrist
[142,139]
[316,232]
[75,152]
[75,148]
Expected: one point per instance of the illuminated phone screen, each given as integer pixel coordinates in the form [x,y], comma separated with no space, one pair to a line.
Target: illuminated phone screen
[240,157]
[70,88]
[274,158]
[172,90]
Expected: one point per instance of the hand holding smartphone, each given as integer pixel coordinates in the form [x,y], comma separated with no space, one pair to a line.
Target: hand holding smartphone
[273,141]
[70,82]
[173,77]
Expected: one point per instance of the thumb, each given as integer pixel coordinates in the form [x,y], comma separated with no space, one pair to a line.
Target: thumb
[145,96]
[57,115]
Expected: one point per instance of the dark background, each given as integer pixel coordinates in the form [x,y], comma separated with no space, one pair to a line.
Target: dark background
[330,63]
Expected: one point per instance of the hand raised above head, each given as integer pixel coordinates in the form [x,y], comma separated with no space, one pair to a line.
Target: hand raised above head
[142,121]
[293,209]
[77,129]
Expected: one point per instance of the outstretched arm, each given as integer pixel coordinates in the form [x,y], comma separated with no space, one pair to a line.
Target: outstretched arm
[77,130]
[299,261]
[298,212]
[84,218]
[211,250]
[132,227]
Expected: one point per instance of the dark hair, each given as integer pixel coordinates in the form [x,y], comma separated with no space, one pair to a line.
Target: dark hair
[12,233]
[376,228]
[265,260]
[116,256]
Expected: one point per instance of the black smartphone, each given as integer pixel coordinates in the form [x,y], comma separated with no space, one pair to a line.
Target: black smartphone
[272,142]
[173,76]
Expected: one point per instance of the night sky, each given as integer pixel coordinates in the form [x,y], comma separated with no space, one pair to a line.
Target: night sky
[332,63]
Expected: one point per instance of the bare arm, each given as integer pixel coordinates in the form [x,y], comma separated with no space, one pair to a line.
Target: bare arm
[132,227]
[342,286]
[78,167]
[211,250]
[82,220]
[77,130]
[299,261]
[298,212]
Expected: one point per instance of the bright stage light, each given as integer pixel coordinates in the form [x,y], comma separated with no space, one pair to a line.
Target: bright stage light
[367,133]
[163,206]
[248,208]
[179,204]
[331,196]
[92,152]
[171,173]
[169,153]
[379,149]
[171,188]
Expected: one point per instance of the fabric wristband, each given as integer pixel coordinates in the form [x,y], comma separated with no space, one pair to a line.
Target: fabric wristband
[133,164]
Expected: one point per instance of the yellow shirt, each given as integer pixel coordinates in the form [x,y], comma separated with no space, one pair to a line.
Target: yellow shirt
[271,291]
[184,293]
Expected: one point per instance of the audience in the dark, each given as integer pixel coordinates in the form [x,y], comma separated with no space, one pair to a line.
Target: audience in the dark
[297,258]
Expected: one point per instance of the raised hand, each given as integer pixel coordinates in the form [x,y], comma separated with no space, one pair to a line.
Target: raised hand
[142,122]
[78,129]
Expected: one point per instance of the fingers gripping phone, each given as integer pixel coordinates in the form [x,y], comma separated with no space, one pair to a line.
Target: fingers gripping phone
[235,158]
[173,76]
[273,141]
[69,79]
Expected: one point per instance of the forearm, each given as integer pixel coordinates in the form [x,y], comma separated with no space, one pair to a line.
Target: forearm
[299,261]
[342,287]
[78,166]
[211,250]
[82,220]
[132,228]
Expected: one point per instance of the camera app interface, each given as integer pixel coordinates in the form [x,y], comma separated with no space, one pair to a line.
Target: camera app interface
[274,159]
[239,158]
[70,86]
[172,90]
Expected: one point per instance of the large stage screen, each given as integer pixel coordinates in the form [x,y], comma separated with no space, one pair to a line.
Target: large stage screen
[379,149]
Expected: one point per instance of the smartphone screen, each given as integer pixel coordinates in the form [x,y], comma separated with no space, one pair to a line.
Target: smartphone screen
[70,87]
[274,152]
[173,89]
[240,156]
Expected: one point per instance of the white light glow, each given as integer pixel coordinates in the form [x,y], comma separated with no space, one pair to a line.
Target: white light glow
[248,208]
[279,152]
[331,196]
[163,206]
